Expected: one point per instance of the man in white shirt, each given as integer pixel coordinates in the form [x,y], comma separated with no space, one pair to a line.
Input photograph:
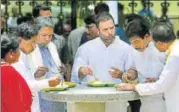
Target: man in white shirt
[106,56]
[27,33]
[50,58]
[146,60]
[168,82]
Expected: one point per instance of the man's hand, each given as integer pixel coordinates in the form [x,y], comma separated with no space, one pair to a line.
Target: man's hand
[126,87]
[63,69]
[130,75]
[85,71]
[126,78]
[115,72]
[41,71]
[149,80]
[54,81]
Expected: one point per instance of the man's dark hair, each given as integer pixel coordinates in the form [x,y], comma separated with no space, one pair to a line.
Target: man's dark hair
[120,6]
[139,27]
[8,43]
[90,19]
[27,30]
[163,32]
[27,18]
[101,7]
[37,8]
[103,16]
[131,17]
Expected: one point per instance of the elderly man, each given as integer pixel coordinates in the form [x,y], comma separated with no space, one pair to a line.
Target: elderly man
[168,82]
[50,58]
[59,40]
[27,33]
[44,12]
[106,56]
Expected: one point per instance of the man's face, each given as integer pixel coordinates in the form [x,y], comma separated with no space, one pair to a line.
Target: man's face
[161,46]
[44,35]
[140,44]
[45,13]
[27,46]
[92,31]
[107,30]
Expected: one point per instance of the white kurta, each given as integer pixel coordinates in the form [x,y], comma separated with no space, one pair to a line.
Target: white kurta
[27,66]
[23,67]
[149,64]
[101,58]
[168,82]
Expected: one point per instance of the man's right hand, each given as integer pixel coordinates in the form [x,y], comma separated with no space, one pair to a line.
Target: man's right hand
[40,72]
[85,71]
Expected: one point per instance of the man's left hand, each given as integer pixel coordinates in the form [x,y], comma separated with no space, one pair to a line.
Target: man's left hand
[115,72]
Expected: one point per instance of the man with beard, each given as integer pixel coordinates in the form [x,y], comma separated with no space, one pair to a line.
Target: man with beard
[106,56]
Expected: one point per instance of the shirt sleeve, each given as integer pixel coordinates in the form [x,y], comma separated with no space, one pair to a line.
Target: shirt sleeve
[166,80]
[80,61]
[35,85]
[129,62]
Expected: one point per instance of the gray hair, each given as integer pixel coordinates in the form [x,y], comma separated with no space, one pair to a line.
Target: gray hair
[103,16]
[44,21]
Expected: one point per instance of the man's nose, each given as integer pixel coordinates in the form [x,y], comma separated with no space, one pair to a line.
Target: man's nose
[109,31]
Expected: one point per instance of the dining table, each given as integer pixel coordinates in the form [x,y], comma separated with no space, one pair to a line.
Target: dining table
[82,98]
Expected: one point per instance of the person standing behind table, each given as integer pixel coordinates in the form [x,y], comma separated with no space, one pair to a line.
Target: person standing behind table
[168,83]
[147,60]
[44,11]
[106,56]
[27,65]
[91,31]
[50,58]
[16,95]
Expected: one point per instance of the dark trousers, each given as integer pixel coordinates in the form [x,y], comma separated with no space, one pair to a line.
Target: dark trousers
[135,105]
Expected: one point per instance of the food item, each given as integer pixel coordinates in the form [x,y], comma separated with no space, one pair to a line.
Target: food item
[53,83]
[56,88]
[119,85]
[98,83]
[70,84]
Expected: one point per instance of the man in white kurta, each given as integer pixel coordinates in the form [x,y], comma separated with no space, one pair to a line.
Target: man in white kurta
[27,34]
[22,66]
[100,59]
[148,61]
[149,66]
[168,83]
[106,56]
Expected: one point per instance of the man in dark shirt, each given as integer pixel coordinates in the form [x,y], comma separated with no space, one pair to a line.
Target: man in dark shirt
[91,30]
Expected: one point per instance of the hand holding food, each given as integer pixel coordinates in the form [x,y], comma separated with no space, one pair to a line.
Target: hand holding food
[85,71]
[115,72]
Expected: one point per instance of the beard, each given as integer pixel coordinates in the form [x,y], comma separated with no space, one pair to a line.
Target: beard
[105,40]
